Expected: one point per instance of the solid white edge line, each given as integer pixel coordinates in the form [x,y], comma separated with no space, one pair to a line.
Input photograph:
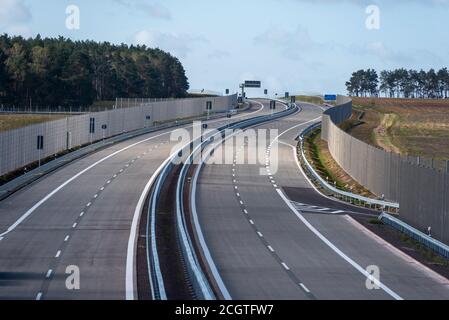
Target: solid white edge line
[133,234]
[132,241]
[338,251]
[431,272]
[206,251]
[417,264]
[130,258]
[200,235]
[304,287]
[51,194]
[408,259]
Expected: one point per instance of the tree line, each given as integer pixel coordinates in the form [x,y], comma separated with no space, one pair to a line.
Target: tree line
[62,72]
[400,83]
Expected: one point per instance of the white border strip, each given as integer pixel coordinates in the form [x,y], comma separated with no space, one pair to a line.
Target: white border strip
[390,292]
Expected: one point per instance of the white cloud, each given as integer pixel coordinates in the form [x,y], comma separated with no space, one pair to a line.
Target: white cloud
[178,44]
[380,51]
[291,43]
[153,10]
[14,17]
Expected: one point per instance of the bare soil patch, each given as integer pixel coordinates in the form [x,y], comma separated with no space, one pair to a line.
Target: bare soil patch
[407,126]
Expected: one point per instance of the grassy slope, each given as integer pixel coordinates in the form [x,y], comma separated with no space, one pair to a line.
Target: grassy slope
[310,99]
[15,121]
[318,154]
[414,127]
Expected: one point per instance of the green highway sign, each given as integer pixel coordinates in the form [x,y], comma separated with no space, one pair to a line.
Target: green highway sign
[252,84]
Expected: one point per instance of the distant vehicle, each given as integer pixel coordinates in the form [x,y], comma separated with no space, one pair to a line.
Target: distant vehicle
[232,112]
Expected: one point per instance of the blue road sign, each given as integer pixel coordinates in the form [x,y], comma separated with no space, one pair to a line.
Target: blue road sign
[330,97]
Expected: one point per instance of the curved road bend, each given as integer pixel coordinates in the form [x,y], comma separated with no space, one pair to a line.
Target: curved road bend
[86,223]
[265,247]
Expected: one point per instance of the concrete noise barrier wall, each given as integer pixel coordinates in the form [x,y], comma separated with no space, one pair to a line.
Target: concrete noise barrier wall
[19,147]
[420,187]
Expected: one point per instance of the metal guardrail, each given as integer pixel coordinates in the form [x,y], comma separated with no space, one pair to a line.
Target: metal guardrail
[31,176]
[415,234]
[155,275]
[199,281]
[350,197]
[426,240]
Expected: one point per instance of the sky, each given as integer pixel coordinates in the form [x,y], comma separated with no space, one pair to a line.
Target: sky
[300,46]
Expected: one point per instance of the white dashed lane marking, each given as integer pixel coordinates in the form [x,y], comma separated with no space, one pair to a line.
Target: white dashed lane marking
[67,237]
[260,234]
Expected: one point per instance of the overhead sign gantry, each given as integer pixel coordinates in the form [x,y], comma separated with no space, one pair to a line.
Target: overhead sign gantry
[250,84]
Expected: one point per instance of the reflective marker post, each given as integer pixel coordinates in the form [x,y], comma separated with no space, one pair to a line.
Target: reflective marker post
[91,128]
[208,108]
[104,127]
[272,106]
[40,147]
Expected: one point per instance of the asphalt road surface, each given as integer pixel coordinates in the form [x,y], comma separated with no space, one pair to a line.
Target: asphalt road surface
[81,215]
[268,246]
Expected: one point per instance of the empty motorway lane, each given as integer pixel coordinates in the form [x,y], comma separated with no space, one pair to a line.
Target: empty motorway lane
[81,215]
[267,247]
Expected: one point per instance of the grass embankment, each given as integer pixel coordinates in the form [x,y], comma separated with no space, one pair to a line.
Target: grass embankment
[104,105]
[319,156]
[15,121]
[407,126]
[310,99]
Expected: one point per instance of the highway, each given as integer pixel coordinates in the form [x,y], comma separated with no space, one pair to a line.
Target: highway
[82,215]
[274,237]
[270,235]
